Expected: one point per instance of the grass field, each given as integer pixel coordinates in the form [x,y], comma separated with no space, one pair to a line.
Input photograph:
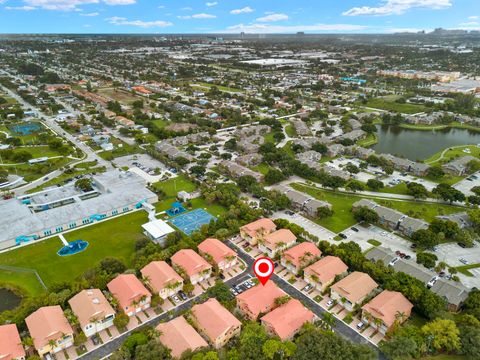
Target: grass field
[391,105]
[110,238]
[160,123]
[452,153]
[290,130]
[370,140]
[172,186]
[121,96]
[219,87]
[342,205]
[37,151]
[262,168]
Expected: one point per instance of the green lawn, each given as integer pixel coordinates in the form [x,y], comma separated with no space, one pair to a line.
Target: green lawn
[219,87]
[342,205]
[27,281]
[121,149]
[453,153]
[111,238]
[262,168]
[290,130]
[172,186]
[214,209]
[400,189]
[391,105]
[445,357]
[370,140]
[36,151]
[160,123]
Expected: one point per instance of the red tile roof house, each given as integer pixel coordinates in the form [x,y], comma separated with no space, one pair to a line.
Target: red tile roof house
[352,289]
[179,336]
[257,230]
[386,309]
[10,344]
[299,256]
[191,265]
[50,330]
[276,242]
[93,311]
[287,320]
[215,322]
[322,273]
[217,253]
[259,300]
[162,279]
[131,294]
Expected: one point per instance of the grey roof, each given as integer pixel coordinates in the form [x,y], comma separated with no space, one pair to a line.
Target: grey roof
[388,214]
[365,203]
[415,270]
[115,189]
[454,293]
[413,224]
[380,253]
[460,164]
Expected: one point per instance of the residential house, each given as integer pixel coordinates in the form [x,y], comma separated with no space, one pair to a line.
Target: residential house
[215,322]
[353,135]
[322,273]
[332,171]
[409,225]
[257,230]
[217,253]
[352,289]
[179,336]
[458,167]
[10,343]
[259,300]
[287,320]
[191,265]
[335,150]
[50,330]
[388,217]
[364,203]
[131,294]
[354,124]
[311,206]
[413,269]
[454,293]
[93,311]
[162,279]
[299,256]
[301,127]
[276,242]
[386,309]
[123,121]
[236,170]
[380,253]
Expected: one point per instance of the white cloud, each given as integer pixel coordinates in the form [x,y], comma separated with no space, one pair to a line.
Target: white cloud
[273,17]
[69,5]
[138,23]
[210,4]
[269,29]
[245,10]
[91,14]
[186,8]
[21,8]
[397,7]
[119,2]
[197,16]
[475,17]
[470,23]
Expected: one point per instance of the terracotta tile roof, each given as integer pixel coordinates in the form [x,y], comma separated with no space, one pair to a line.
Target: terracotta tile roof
[355,286]
[190,261]
[89,304]
[214,318]
[47,323]
[127,288]
[216,249]
[160,275]
[287,319]
[297,254]
[264,223]
[327,268]
[178,335]
[260,299]
[10,343]
[387,305]
[279,236]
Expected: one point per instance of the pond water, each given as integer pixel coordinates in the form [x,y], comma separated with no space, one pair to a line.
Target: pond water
[8,300]
[421,144]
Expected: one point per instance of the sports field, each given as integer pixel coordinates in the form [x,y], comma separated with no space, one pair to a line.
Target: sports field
[111,238]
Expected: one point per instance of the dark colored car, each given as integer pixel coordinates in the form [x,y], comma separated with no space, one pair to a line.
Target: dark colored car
[354,229]
[462,245]
[343,236]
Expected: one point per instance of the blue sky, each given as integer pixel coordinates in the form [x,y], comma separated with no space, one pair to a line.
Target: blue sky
[234,16]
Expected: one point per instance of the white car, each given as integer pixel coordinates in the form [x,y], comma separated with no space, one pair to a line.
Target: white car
[393,262]
[360,325]
[329,303]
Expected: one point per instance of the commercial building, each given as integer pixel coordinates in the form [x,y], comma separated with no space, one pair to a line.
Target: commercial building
[47,212]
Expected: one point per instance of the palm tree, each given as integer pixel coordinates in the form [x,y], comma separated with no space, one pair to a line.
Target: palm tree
[52,343]
[27,342]
[378,322]
[329,319]
[400,316]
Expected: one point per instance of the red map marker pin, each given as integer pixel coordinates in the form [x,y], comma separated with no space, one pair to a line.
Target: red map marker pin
[263,269]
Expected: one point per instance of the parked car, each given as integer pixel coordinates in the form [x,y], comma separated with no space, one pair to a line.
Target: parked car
[463,261]
[342,235]
[407,257]
[413,246]
[289,212]
[360,325]
[393,262]
[462,245]
[432,282]
[354,229]
[329,303]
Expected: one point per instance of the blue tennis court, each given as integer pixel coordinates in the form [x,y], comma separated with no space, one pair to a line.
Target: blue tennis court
[192,220]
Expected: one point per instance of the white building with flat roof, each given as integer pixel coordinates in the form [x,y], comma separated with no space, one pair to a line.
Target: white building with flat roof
[157,230]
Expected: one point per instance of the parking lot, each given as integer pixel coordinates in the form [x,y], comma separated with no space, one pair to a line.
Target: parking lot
[308,225]
[466,184]
[451,253]
[144,166]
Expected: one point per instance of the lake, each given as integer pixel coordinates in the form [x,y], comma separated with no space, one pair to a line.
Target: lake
[421,144]
[8,300]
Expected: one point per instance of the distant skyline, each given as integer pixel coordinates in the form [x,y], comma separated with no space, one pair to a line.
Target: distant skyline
[235,16]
